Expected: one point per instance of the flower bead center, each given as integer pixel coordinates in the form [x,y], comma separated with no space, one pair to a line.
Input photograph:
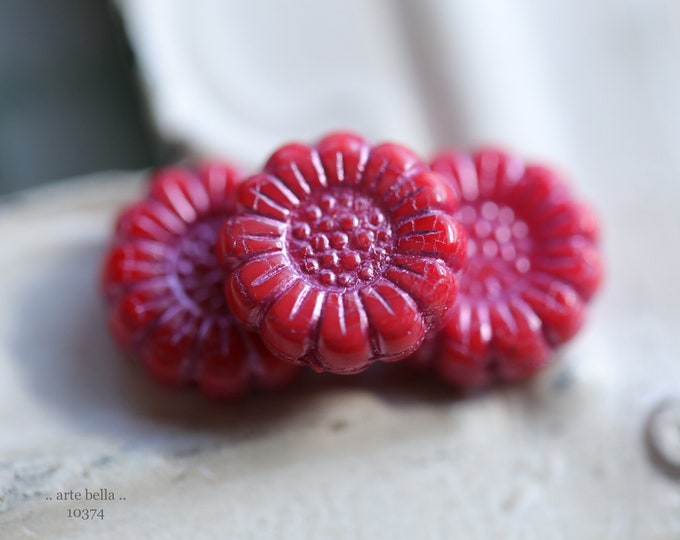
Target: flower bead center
[198,272]
[340,238]
[499,249]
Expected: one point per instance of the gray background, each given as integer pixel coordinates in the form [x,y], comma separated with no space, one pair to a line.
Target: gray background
[69,101]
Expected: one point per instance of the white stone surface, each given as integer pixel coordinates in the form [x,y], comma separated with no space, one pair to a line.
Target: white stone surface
[376,456]
[592,86]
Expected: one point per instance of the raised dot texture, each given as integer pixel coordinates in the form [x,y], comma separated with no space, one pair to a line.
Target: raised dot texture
[351,232]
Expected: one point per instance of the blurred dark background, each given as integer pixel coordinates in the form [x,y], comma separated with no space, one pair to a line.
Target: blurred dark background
[69,99]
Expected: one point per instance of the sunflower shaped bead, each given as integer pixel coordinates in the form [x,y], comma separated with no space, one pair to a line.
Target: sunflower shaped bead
[342,254]
[533,265]
[163,287]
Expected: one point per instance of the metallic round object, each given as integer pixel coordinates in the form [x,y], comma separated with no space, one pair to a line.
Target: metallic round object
[663,435]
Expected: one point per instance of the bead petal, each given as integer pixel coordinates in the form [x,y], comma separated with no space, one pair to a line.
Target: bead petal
[126,264]
[459,169]
[254,285]
[266,196]
[246,236]
[219,181]
[168,349]
[386,164]
[429,282]
[422,192]
[344,345]
[532,192]
[290,323]
[149,220]
[181,191]
[497,172]
[435,234]
[560,308]
[222,370]
[458,367]
[138,310]
[268,370]
[575,261]
[518,340]
[298,166]
[343,156]
[465,358]
[397,326]
[566,218]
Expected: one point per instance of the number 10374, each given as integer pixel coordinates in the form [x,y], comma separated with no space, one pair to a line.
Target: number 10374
[86,513]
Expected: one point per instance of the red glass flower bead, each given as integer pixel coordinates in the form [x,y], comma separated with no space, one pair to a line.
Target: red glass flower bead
[164,288]
[533,263]
[342,253]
